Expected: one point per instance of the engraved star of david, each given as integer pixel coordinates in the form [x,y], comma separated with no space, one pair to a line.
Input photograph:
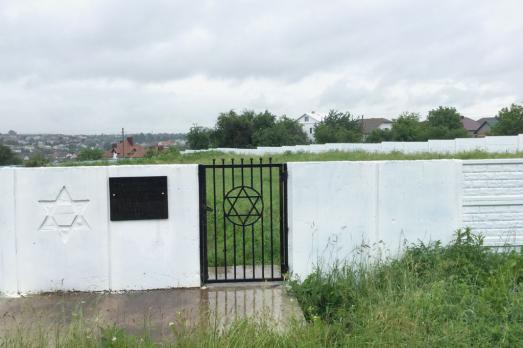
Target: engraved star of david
[64,214]
[243,206]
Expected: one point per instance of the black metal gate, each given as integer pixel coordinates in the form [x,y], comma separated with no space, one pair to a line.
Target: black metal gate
[243,221]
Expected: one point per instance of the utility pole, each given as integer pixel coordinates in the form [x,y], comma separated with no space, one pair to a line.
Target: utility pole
[123,144]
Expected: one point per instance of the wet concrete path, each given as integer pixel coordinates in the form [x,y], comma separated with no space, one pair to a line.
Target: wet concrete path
[155,310]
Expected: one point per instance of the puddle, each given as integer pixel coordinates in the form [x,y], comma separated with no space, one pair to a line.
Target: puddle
[155,310]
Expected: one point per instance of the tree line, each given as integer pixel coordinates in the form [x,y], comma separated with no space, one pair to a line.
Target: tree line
[441,123]
[249,129]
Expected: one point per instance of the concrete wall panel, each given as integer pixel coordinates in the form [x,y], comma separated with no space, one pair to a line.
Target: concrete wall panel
[418,200]
[8,265]
[330,214]
[61,226]
[153,254]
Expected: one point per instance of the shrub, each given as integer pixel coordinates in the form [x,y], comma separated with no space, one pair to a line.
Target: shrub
[37,160]
[90,154]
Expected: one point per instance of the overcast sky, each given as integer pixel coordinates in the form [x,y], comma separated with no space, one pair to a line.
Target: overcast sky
[98,65]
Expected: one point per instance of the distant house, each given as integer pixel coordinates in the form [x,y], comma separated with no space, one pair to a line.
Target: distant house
[127,149]
[370,124]
[470,125]
[309,120]
[478,128]
[486,124]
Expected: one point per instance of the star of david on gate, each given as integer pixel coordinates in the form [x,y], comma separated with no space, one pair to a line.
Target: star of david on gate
[64,214]
[243,206]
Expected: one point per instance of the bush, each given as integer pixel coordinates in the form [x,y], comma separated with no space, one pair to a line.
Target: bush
[37,160]
[90,154]
[379,135]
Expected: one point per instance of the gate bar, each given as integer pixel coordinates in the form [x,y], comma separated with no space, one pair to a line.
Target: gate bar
[252,231]
[262,236]
[203,224]
[270,198]
[224,224]
[243,227]
[215,222]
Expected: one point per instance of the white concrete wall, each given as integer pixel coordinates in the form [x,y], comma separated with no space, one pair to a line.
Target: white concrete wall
[94,253]
[337,211]
[501,144]
[378,204]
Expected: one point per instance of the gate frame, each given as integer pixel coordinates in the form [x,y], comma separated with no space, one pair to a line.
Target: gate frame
[284,220]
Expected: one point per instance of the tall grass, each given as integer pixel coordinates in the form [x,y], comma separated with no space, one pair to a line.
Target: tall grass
[459,295]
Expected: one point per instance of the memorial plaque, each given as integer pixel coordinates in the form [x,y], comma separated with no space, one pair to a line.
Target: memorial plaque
[138,198]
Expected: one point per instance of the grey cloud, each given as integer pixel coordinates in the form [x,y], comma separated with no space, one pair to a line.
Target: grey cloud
[43,49]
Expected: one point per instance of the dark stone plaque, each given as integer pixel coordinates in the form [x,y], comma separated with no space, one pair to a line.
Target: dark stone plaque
[138,198]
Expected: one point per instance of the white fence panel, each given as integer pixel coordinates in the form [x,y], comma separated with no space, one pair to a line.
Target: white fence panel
[501,144]
[442,146]
[470,144]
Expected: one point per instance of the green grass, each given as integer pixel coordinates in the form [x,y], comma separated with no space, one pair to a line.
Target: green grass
[262,238]
[207,157]
[460,295]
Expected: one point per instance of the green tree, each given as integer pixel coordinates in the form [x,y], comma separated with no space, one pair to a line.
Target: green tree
[444,116]
[90,154]
[199,138]
[284,131]
[510,121]
[445,123]
[261,121]
[234,130]
[407,127]
[338,127]
[7,156]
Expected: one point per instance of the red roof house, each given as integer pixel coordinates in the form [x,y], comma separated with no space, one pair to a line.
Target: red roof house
[126,149]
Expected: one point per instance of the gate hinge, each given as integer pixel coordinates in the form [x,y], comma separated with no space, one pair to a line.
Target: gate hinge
[283,176]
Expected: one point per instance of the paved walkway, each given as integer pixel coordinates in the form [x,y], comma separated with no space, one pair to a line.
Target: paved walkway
[218,305]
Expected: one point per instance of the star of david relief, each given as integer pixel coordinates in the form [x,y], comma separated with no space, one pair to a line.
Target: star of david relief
[243,206]
[64,214]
